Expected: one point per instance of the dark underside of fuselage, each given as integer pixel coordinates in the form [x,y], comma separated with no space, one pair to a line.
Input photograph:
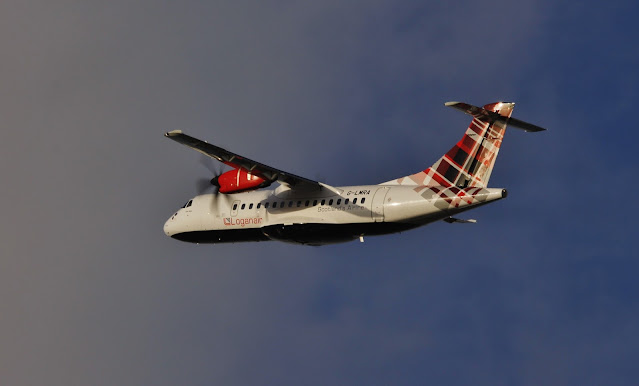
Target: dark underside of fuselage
[308,234]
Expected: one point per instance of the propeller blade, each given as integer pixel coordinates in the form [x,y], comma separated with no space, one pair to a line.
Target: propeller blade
[203,185]
[213,166]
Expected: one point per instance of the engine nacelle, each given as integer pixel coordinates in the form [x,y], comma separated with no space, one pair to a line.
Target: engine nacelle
[239,180]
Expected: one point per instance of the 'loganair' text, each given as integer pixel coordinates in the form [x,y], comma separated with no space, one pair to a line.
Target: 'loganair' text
[230,221]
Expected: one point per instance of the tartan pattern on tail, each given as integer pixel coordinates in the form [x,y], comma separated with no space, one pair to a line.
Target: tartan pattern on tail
[446,198]
[470,162]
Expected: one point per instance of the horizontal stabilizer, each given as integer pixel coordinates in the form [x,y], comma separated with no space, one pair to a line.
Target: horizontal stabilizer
[451,220]
[481,113]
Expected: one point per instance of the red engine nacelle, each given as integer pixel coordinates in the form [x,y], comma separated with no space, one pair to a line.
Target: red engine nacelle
[238,180]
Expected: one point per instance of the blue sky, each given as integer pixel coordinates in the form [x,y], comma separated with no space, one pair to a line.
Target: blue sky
[542,290]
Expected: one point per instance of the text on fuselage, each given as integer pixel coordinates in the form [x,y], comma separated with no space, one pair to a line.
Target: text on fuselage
[358,192]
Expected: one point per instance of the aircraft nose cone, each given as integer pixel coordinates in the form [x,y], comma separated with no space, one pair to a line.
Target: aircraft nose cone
[168,229]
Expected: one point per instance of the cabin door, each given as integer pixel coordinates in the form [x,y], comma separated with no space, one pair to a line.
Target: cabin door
[377,209]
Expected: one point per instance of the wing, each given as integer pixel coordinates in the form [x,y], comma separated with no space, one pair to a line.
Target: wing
[237,161]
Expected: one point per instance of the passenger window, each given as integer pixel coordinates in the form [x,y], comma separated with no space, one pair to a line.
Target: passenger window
[339,201]
[307,202]
[243,206]
[314,202]
[346,201]
[354,201]
[330,202]
[251,205]
[258,205]
[323,202]
[274,205]
[363,199]
[234,206]
[299,203]
[290,204]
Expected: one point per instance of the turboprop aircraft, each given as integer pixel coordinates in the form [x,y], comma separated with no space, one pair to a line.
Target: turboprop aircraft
[309,212]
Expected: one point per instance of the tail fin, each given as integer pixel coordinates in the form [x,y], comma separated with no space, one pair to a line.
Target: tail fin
[470,162]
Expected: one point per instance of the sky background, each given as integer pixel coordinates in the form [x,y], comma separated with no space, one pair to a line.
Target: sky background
[542,290]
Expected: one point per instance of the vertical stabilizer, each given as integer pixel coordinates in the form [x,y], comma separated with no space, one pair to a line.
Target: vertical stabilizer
[470,162]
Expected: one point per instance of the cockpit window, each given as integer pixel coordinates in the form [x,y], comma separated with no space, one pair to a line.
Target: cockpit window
[187,204]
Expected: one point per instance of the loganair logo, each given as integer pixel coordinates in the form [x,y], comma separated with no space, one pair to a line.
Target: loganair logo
[230,221]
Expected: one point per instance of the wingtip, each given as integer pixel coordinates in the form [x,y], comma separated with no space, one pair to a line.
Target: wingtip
[451,103]
[173,133]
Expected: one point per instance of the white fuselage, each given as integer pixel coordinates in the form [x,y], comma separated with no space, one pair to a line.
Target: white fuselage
[320,216]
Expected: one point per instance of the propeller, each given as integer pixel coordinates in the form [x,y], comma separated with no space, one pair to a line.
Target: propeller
[203,185]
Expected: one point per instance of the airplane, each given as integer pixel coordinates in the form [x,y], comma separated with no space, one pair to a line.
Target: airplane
[309,212]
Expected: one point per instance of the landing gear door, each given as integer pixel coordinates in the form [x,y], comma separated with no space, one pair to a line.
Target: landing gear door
[377,208]
[234,207]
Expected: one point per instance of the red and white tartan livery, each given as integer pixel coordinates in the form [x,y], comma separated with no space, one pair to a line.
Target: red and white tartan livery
[470,162]
[453,197]
[314,213]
